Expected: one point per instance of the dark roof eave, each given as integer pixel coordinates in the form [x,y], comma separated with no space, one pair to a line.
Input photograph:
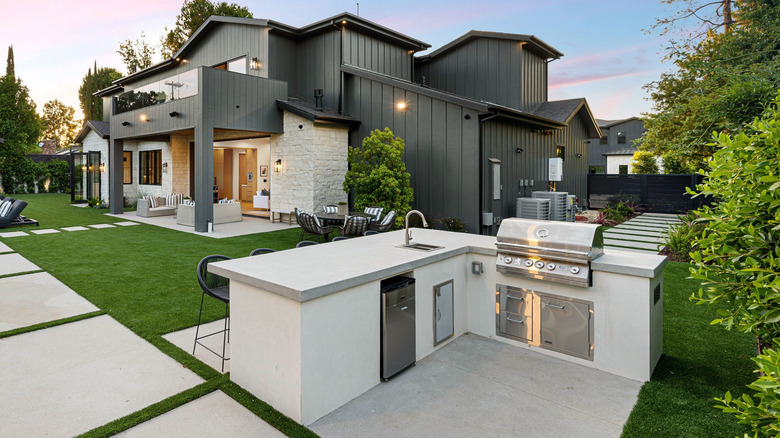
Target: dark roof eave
[537,44]
[89,126]
[525,117]
[317,118]
[113,89]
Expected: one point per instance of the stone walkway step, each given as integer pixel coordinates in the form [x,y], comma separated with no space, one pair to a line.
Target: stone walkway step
[633,232]
[633,238]
[632,244]
[14,263]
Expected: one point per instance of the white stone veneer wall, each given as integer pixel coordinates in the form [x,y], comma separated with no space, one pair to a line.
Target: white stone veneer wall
[614,161]
[314,162]
[144,189]
[92,143]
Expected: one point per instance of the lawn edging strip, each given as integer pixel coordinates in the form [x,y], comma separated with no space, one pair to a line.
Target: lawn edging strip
[48,324]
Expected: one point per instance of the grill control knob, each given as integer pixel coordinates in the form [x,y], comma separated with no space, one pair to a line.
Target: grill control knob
[574,270]
[507,260]
[551,266]
[529,263]
[539,264]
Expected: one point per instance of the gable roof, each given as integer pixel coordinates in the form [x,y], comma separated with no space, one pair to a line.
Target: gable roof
[101,128]
[609,123]
[534,43]
[308,111]
[565,110]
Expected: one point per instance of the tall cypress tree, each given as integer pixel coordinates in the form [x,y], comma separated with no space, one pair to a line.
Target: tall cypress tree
[10,68]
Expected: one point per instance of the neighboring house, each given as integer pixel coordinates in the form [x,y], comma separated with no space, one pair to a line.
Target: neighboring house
[90,177]
[619,161]
[616,142]
[247,104]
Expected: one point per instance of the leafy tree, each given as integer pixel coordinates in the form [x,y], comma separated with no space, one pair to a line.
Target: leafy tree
[193,14]
[10,66]
[708,16]
[95,80]
[378,175]
[58,123]
[644,163]
[721,84]
[20,126]
[137,55]
[674,165]
[737,258]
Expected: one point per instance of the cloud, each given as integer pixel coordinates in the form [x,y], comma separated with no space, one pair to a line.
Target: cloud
[556,83]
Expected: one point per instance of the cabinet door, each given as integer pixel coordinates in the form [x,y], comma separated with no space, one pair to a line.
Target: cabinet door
[443,318]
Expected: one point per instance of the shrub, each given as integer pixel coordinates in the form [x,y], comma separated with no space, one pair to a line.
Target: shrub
[378,175]
[619,208]
[58,172]
[737,257]
[680,238]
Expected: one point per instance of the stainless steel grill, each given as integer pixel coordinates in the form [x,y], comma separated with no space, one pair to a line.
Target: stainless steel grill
[560,252]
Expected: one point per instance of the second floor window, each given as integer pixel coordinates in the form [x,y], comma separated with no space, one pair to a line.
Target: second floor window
[621,138]
[150,167]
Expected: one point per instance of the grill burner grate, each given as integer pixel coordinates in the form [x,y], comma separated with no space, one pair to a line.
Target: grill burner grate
[559,252]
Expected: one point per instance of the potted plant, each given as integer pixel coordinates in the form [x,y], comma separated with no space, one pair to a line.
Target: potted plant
[343,208]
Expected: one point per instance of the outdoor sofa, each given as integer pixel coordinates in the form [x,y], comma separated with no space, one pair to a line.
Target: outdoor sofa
[152,206]
[223,213]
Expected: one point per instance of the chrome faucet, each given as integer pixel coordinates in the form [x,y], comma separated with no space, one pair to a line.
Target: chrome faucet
[407,231]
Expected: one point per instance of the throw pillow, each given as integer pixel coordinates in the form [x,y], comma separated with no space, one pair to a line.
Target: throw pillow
[330,209]
[152,201]
[5,207]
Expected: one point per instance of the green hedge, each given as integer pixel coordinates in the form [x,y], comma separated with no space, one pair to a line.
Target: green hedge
[23,175]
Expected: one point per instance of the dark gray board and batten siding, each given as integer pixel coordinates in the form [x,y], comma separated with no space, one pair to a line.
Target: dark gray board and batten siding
[489,69]
[442,147]
[633,128]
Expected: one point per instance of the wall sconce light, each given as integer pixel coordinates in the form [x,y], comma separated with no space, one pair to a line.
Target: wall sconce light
[518,150]
[143,118]
[278,166]
[255,64]
[173,114]
[579,155]
[401,106]
[125,123]
[102,168]
[165,167]
[83,167]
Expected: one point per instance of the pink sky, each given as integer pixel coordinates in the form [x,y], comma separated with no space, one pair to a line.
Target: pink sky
[607,58]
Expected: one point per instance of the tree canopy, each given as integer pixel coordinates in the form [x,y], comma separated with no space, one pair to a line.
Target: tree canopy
[95,80]
[58,123]
[10,66]
[193,14]
[137,55]
[20,126]
[720,85]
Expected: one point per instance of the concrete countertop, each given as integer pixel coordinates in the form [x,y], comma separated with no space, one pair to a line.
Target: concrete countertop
[307,273]
[304,274]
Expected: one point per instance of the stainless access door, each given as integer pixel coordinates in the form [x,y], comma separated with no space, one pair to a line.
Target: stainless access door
[567,325]
[444,325]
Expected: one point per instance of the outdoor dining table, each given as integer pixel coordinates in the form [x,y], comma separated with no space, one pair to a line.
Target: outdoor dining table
[337,219]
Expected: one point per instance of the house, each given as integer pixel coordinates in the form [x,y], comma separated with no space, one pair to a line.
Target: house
[615,147]
[251,104]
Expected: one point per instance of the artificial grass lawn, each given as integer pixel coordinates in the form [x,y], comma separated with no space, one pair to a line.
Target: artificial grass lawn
[144,277]
[700,362]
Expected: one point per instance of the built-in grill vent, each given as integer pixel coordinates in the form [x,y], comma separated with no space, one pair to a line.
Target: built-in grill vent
[552,251]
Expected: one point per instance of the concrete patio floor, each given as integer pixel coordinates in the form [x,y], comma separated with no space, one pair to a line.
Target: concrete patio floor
[481,387]
[249,225]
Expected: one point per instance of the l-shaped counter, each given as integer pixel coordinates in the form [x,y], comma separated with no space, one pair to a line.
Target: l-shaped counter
[306,323]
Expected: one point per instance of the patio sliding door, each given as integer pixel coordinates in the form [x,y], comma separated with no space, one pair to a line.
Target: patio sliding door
[85,176]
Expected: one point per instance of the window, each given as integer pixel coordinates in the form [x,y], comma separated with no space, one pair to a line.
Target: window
[621,138]
[596,169]
[150,167]
[560,152]
[623,169]
[127,166]
[236,65]
[604,140]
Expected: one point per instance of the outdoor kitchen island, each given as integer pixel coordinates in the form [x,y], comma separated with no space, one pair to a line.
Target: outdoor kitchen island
[306,323]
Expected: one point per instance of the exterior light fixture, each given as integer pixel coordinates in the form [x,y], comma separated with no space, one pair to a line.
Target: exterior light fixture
[165,167]
[173,114]
[519,150]
[401,106]
[178,59]
[102,168]
[255,64]
[344,22]
[579,155]
[278,166]
[125,123]
[143,118]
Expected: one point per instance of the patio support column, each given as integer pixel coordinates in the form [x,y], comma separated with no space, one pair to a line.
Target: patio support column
[116,197]
[204,175]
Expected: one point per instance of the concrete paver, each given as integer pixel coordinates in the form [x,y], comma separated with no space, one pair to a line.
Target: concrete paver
[633,237]
[248,225]
[633,244]
[480,387]
[632,232]
[185,339]
[99,226]
[5,248]
[69,379]
[13,234]
[45,231]
[77,228]
[214,415]
[14,263]
[126,223]
[31,299]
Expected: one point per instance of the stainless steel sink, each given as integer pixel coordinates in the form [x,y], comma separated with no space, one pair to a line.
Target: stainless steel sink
[421,247]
